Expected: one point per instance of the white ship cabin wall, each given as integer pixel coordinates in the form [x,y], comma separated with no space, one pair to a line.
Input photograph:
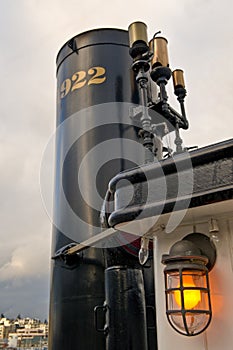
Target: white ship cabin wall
[219,334]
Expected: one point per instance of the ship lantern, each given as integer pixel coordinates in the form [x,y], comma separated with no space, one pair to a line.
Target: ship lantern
[187,288]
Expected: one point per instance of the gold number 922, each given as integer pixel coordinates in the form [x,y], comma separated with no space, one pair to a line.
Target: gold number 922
[96,75]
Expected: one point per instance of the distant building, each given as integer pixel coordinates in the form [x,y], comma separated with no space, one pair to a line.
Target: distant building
[6,326]
[12,341]
[23,333]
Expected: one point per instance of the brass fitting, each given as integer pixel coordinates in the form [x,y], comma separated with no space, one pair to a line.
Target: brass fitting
[178,78]
[158,46]
[137,32]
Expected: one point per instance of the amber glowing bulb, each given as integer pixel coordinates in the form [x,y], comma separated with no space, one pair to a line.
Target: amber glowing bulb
[191,296]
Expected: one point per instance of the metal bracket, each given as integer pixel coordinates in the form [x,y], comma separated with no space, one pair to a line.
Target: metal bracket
[73,45]
[104,308]
[136,112]
[60,253]
[69,260]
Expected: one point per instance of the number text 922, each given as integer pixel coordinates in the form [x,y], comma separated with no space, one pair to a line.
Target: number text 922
[94,75]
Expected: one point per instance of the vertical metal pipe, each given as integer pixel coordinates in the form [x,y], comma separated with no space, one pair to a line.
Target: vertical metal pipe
[148,276]
[126,315]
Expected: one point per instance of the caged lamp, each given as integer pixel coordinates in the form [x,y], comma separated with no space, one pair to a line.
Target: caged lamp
[187,288]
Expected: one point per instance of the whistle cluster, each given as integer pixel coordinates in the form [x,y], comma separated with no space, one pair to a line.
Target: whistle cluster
[151,62]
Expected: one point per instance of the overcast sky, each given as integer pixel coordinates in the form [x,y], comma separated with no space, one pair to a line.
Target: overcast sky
[200,35]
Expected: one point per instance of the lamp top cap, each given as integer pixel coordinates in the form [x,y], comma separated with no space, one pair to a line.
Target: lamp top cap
[184,247]
[184,250]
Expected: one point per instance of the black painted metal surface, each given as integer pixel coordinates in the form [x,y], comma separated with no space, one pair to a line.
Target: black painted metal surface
[126,309]
[210,169]
[93,68]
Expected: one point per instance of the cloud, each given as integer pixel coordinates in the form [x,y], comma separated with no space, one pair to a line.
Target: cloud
[24,279]
[26,261]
